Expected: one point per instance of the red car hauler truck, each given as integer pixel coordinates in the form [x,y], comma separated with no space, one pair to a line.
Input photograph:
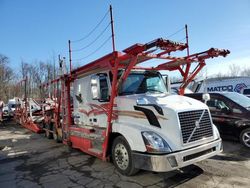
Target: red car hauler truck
[114,109]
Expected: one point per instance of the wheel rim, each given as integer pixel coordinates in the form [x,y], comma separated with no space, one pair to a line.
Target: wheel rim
[121,156]
[246,138]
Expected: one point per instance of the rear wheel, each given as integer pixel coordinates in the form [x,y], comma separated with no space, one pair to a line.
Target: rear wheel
[122,157]
[245,137]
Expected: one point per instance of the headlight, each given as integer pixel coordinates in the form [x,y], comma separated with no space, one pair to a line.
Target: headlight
[154,143]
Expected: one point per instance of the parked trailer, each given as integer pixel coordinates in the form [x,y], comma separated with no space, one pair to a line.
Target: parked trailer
[224,84]
[29,114]
[121,111]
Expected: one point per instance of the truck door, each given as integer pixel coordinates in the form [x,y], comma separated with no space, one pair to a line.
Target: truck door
[91,108]
[99,102]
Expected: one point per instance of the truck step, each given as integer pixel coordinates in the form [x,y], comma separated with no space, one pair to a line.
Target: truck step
[90,136]
[95,150]
[94,136]
[93,127]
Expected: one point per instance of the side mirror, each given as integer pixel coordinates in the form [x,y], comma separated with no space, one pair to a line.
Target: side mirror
[95,87]
[206,97]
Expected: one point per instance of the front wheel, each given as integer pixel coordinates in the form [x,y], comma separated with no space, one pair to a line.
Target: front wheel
[122,157]
[245,137]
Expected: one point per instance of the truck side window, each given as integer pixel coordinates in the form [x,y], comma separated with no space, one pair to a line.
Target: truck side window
[104,88]
[100,87]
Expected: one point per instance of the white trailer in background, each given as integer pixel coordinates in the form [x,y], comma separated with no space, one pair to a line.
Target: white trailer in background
[230,84]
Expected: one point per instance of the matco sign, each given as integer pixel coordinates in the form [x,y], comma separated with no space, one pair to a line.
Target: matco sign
[238,88]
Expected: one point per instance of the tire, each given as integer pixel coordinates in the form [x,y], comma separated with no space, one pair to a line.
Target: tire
[48,134]
[122,157]
[245,137]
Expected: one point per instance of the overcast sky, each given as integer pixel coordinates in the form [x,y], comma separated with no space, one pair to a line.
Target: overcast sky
[38,29]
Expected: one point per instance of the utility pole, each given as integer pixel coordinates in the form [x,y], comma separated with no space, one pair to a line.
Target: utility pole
[186,29]
[112,27]
[70,56]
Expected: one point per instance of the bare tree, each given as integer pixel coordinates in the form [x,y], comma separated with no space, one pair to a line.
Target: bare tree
[245,71]
[6,76]
[234,70]
[37,73]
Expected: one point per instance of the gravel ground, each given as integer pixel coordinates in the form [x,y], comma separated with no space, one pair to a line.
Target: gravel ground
[30,160]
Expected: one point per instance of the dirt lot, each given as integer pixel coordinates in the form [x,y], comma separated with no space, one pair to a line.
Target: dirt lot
[29,160]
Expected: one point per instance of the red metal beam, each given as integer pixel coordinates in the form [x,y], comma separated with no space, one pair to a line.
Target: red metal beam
[127,70]
[110,111]
[188,79]
[105,61]
[212,52]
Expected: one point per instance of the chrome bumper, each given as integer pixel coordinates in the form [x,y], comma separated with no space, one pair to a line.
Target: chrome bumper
[172,161]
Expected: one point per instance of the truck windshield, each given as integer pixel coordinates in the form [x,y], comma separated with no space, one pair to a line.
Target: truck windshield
[239,99]
[143,82]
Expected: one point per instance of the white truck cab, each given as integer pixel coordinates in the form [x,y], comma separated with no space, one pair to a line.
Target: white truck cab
[152,129]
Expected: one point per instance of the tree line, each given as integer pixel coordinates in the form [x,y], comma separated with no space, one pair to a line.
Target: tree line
[36,73]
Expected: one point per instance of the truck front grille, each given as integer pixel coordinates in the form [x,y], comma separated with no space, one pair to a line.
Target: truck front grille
[195,125]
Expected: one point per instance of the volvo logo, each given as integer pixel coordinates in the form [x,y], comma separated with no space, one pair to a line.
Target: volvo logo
[197,124]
